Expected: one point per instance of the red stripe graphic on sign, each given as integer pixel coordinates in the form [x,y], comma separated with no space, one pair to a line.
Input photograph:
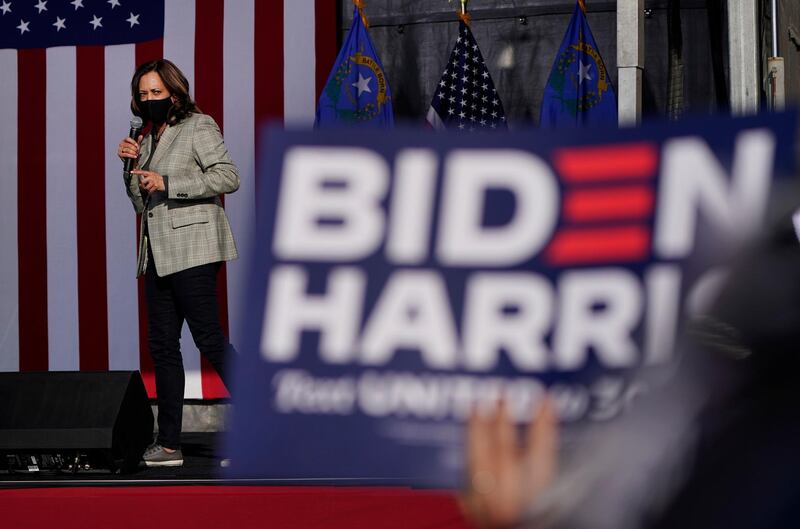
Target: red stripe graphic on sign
[617,162]
[91,212]
[32,204]
[146,51]
[208,72]
[599,245]
[608,204]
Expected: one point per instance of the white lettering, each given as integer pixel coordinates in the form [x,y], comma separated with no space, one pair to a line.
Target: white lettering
[411,208]
[298,391]
[511,311]
[705,290]
[329,208]
[598,309]
[290,311]
[693,181]
[413,312]
[663,286]
[463,240]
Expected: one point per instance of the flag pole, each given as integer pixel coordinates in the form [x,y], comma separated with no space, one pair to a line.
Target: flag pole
[463,7]
[743,56]
[630,60]
[464,16]
[360,4]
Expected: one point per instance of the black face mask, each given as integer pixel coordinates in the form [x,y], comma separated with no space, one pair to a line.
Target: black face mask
[156,110]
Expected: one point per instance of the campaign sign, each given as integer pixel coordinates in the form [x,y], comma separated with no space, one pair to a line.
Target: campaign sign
[406,277]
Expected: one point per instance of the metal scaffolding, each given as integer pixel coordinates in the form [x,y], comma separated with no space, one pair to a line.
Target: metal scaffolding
[630,60]
[743,38]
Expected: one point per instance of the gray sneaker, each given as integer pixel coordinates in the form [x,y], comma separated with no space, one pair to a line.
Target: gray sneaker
[156,456]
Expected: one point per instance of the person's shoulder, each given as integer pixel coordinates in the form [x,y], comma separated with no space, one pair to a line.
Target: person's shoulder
[203,123]
[196,118]
[200,119]
[195,123]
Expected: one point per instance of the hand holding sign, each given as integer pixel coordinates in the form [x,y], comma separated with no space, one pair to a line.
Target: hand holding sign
[505,476]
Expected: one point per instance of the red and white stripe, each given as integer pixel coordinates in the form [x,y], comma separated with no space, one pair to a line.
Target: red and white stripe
[68,296]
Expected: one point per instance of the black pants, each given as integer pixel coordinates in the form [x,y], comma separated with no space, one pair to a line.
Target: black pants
[191,295]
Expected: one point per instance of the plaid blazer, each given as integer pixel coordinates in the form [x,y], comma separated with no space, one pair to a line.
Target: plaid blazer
[186,224]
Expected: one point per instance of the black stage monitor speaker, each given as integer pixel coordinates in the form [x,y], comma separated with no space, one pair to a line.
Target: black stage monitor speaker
[74,420]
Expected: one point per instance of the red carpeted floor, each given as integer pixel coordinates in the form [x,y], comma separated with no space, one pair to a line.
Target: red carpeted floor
[220,507]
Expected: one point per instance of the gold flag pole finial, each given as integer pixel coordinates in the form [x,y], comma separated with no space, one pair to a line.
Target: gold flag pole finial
[360,4]
[464,16]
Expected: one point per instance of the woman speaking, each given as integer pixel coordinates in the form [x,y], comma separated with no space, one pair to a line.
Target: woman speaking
[182,168]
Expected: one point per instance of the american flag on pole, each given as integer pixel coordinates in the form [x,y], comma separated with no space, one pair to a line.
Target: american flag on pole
[68,296]
[466,98]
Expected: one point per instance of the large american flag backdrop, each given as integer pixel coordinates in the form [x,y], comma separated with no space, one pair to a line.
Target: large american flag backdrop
[68,296]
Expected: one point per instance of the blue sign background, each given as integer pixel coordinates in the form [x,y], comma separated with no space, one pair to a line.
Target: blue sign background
[265,443]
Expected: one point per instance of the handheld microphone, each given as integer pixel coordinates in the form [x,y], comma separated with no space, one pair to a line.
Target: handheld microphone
[136,129]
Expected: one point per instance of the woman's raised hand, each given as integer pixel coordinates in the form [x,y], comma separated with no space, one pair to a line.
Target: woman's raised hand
[129,148]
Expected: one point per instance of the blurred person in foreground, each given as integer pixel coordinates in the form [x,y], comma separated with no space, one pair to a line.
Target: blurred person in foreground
[715,446]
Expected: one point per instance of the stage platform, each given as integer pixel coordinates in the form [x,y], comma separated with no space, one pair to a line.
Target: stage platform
[195,496]
[201,466]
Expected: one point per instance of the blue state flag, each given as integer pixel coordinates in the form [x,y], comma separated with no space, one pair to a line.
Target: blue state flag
[579,91]
[357,92]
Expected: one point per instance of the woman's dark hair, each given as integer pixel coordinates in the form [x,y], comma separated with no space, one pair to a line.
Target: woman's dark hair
[174,81]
